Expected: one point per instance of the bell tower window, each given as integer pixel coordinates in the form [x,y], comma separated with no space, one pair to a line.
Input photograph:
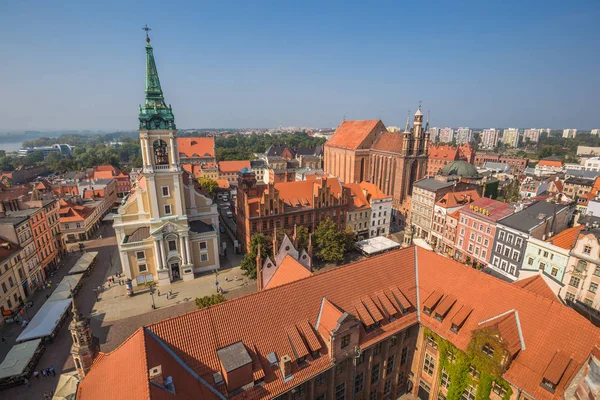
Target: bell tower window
[161,155]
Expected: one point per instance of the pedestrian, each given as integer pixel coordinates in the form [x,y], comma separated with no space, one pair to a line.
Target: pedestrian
[36,374]
[158,291]
[53,370]
[3,339]
[43,373]
[46,394]
[170,293]
[26,383]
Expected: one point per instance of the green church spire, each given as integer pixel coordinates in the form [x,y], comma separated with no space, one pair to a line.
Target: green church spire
[154,114]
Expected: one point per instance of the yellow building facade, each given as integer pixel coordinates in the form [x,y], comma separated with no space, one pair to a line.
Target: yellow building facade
[166,229]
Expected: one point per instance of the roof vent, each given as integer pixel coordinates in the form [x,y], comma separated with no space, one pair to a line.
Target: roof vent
[155,375]
[272,358]
[217,378]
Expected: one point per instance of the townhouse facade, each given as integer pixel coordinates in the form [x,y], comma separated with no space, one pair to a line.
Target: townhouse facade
[448,204]
[477,228]
[12,273]
[582,276]
[18,230]
[541,220]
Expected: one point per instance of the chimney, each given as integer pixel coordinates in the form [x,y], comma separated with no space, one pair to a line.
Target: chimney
[286,366]
[155,375]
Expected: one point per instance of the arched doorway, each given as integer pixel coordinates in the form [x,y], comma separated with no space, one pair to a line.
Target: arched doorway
[174,264]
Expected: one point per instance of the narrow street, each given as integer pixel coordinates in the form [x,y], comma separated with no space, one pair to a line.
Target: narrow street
[114,328]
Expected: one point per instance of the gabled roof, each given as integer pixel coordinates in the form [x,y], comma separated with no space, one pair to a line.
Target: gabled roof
[288,271]
[351,134]
[196,146]
[329,316]
[537,285]
[532,216]
[373,192]
[494,210]
[359,201]
[389,141]
[509,327]
[567,238]
[233,166]
[443,152]
[546,325]
[455,199]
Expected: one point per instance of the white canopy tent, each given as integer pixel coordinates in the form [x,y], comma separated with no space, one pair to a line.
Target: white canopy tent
[376,245]
[66,287]
[18,358]
[84,263]
[45,320]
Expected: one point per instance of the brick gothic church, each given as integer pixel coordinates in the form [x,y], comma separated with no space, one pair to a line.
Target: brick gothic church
[365,151]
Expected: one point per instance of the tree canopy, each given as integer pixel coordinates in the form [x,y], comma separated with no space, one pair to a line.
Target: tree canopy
[332,243]
[210,186]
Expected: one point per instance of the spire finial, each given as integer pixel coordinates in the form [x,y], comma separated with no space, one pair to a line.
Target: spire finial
[407,127]
[420,104]
[74,309]
[146,28]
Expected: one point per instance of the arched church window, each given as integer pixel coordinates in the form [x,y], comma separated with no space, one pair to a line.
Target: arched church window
[161,156]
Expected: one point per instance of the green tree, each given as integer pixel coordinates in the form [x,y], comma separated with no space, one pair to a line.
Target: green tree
[210,186]
[207,301]
[302,236]
[331,243]
[248,264]
[511,193]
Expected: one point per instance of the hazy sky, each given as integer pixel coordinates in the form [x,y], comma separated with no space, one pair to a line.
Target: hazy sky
[80,64]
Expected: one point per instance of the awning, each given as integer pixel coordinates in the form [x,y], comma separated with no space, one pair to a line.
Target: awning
[376,245]
[84,262]
[18,358]
[66,389]
[65,287]
[110,216]
[45,321]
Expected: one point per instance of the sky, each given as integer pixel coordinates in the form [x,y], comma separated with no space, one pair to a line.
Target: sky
[252,64]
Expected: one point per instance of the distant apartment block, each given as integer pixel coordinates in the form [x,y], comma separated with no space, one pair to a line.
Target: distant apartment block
[434,133]
[533,135]
[463,135]
[489,138]
[510,137]
[595,132]
[446,135]
[569,133]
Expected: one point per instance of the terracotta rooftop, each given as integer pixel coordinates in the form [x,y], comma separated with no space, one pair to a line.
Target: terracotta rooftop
[536,284]
[288,271]
[550,163]
[233,166]
[567,238]
[443,152]
[196,146]
[359,201]
[351,134]
[373,191]
[7,249]
[455,199]
[494,210]
[546,325]
[534,327]
[389,141]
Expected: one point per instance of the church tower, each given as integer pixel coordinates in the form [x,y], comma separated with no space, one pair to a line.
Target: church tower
[167,228]
[85,346]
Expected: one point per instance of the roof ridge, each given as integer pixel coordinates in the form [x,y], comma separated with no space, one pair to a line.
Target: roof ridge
[237,299]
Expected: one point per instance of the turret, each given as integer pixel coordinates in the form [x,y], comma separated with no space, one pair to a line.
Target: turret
[418,133]
[85,346]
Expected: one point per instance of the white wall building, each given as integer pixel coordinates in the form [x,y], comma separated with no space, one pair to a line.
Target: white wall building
[569,133]
[489,138]
[533,134]
[446,135]
[511,136]
[463,135]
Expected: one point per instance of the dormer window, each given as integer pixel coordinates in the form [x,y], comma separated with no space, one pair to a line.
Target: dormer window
[488,350]
[454,328]
[549,386]
[426,311]
[345,341]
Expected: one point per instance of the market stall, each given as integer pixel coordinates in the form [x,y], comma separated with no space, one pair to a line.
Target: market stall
[20,362]
[68,287]
[47,321]
[85,264]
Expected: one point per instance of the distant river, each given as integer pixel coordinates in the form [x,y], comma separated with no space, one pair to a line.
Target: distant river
[11,146]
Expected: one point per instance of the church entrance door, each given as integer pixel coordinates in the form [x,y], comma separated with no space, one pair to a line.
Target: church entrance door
[175,274]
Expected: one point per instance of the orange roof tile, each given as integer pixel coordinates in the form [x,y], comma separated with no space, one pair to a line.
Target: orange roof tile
[536,284]
[546,325]
[358,198]
[455,199]
[550,163]
[351,134]
[288,271]
[373,191]
[223,183]
[508,325]
[495,209]
[196,146]
[567,238]
[390,142]
[233,166]
[329,316]
[443,152]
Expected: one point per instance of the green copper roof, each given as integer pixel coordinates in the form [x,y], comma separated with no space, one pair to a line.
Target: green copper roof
[154,114]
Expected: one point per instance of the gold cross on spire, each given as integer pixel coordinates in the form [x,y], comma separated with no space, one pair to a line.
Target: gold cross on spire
[146,28]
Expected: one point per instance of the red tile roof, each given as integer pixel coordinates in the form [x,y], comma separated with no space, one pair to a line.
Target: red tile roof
[550,163]
[443,152]
[389,141]
[196,146]
[567,238]
[546,325]
[233,166]
[533,326]
[288,271]
[536,284]
[358,198]
[455,199]
[373,192]
[351,134]
[494,210]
